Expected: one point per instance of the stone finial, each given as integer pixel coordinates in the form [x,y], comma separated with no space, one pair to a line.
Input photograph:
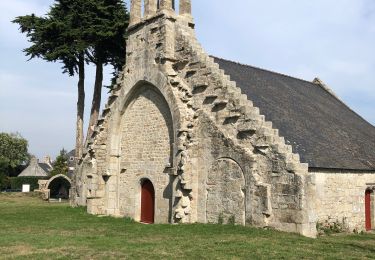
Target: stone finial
[47,159]
[185,7]
[150,7]
[135,12]
[33,160]
[320,83]
[166,4]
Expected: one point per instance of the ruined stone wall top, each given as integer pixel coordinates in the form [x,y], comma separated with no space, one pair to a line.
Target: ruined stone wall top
[155,7]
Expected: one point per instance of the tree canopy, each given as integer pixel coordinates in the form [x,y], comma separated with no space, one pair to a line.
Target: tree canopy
[53,39]
[72,27]
[60,166]
[13,149]
[13,153]
[75,32]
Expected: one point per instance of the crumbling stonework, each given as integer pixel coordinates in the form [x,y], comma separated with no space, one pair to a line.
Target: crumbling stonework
[178,120]
[225,192]
[44,185]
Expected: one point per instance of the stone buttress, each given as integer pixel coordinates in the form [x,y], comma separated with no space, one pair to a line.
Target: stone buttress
[176,119]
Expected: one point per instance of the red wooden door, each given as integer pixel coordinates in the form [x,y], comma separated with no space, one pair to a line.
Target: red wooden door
[147,202]
[368,209]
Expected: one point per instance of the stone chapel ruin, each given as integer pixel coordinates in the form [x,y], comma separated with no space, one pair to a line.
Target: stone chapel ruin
[186,137]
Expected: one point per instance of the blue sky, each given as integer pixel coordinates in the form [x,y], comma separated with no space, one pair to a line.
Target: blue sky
[302,38]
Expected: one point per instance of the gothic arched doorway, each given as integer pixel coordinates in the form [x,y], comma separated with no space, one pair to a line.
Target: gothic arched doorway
[368,213]
[147,202]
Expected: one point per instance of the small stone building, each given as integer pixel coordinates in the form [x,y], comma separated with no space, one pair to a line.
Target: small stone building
[186,137]
[36,168]
[56,187]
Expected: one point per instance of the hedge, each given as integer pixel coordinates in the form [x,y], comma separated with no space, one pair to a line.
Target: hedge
[17,182]
[4,182]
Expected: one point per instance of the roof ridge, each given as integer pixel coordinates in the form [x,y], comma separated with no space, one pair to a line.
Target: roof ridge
[263,69]
[317,81]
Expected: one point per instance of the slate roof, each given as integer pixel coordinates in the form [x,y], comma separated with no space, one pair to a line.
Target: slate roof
[71,163]
[34,169]
[45,167]
[322,129]
[72,153]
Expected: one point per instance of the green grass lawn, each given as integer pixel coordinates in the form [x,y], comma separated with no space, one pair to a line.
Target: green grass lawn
[33,229]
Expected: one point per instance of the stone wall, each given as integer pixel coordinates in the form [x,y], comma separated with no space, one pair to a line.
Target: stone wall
[340,197]
[176,118]
[266,195]
[229,126]
[146,147]
[225,192]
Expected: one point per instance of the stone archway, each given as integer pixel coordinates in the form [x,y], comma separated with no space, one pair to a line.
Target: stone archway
[58,186]
[225,197]
[146,139]
[117,184]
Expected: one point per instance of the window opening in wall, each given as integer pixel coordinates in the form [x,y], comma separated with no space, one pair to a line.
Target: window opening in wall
[175,5]
[143,8]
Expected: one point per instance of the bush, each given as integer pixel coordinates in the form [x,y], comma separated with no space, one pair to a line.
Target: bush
[329,227]
[17,182]
[232,220]
[220,219]
[4,182]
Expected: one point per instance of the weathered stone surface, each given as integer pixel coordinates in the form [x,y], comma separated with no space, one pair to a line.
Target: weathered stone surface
[44,185]
[341,197]
[146,140]
[176,119]
[225,196]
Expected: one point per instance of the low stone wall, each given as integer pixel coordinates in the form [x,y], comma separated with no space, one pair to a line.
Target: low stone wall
[340,197]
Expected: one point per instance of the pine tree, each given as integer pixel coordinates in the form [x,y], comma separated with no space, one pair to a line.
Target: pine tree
[57,37]
[60,166]
[107,21]
[75,32]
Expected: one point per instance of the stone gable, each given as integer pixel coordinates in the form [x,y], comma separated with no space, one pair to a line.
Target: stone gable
[177,120]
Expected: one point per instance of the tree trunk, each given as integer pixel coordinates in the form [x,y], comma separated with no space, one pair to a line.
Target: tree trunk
[96,99]
[80,107]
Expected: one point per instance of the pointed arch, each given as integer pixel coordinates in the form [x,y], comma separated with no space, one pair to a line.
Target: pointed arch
[225,185]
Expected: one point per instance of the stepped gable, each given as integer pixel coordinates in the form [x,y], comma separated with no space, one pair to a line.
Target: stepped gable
[322,129]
